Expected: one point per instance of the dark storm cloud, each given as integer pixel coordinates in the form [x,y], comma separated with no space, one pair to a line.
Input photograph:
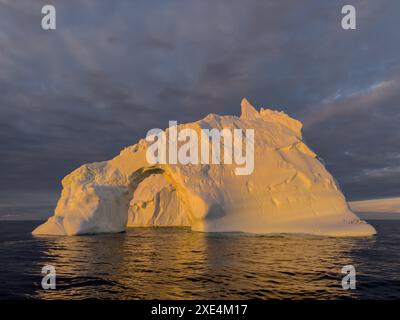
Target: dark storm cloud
[114,69]
[359,135]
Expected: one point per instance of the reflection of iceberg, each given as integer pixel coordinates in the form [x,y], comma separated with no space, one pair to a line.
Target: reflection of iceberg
[194,265]
[289,191]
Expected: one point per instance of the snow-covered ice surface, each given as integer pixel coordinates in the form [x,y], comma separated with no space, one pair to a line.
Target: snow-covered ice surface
[289,191]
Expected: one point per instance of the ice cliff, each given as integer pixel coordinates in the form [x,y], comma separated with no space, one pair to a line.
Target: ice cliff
[289,191]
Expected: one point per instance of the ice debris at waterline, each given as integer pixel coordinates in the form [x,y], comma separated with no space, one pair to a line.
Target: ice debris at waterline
[289,191]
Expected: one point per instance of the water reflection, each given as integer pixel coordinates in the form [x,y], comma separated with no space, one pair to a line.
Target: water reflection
[174,263]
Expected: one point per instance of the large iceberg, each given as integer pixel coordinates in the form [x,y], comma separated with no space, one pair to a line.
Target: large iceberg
[385,205]
[289,191]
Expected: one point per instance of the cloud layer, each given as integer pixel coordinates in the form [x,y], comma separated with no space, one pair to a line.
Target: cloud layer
[113,70]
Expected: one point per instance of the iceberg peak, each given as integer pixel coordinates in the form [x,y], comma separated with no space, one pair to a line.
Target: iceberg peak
[248,111]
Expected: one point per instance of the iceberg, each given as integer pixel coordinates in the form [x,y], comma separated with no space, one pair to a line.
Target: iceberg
[289,190]
[385,205]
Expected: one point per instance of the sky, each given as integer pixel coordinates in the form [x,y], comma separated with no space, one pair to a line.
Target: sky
[112,70]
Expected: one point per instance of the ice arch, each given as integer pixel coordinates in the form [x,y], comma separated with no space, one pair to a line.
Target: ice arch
[290,191]
[157,202]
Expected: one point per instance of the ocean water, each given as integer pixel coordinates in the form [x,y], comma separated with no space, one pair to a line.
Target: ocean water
[175,263]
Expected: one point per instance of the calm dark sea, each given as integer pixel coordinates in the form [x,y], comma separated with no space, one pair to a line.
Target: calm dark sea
[175,263]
